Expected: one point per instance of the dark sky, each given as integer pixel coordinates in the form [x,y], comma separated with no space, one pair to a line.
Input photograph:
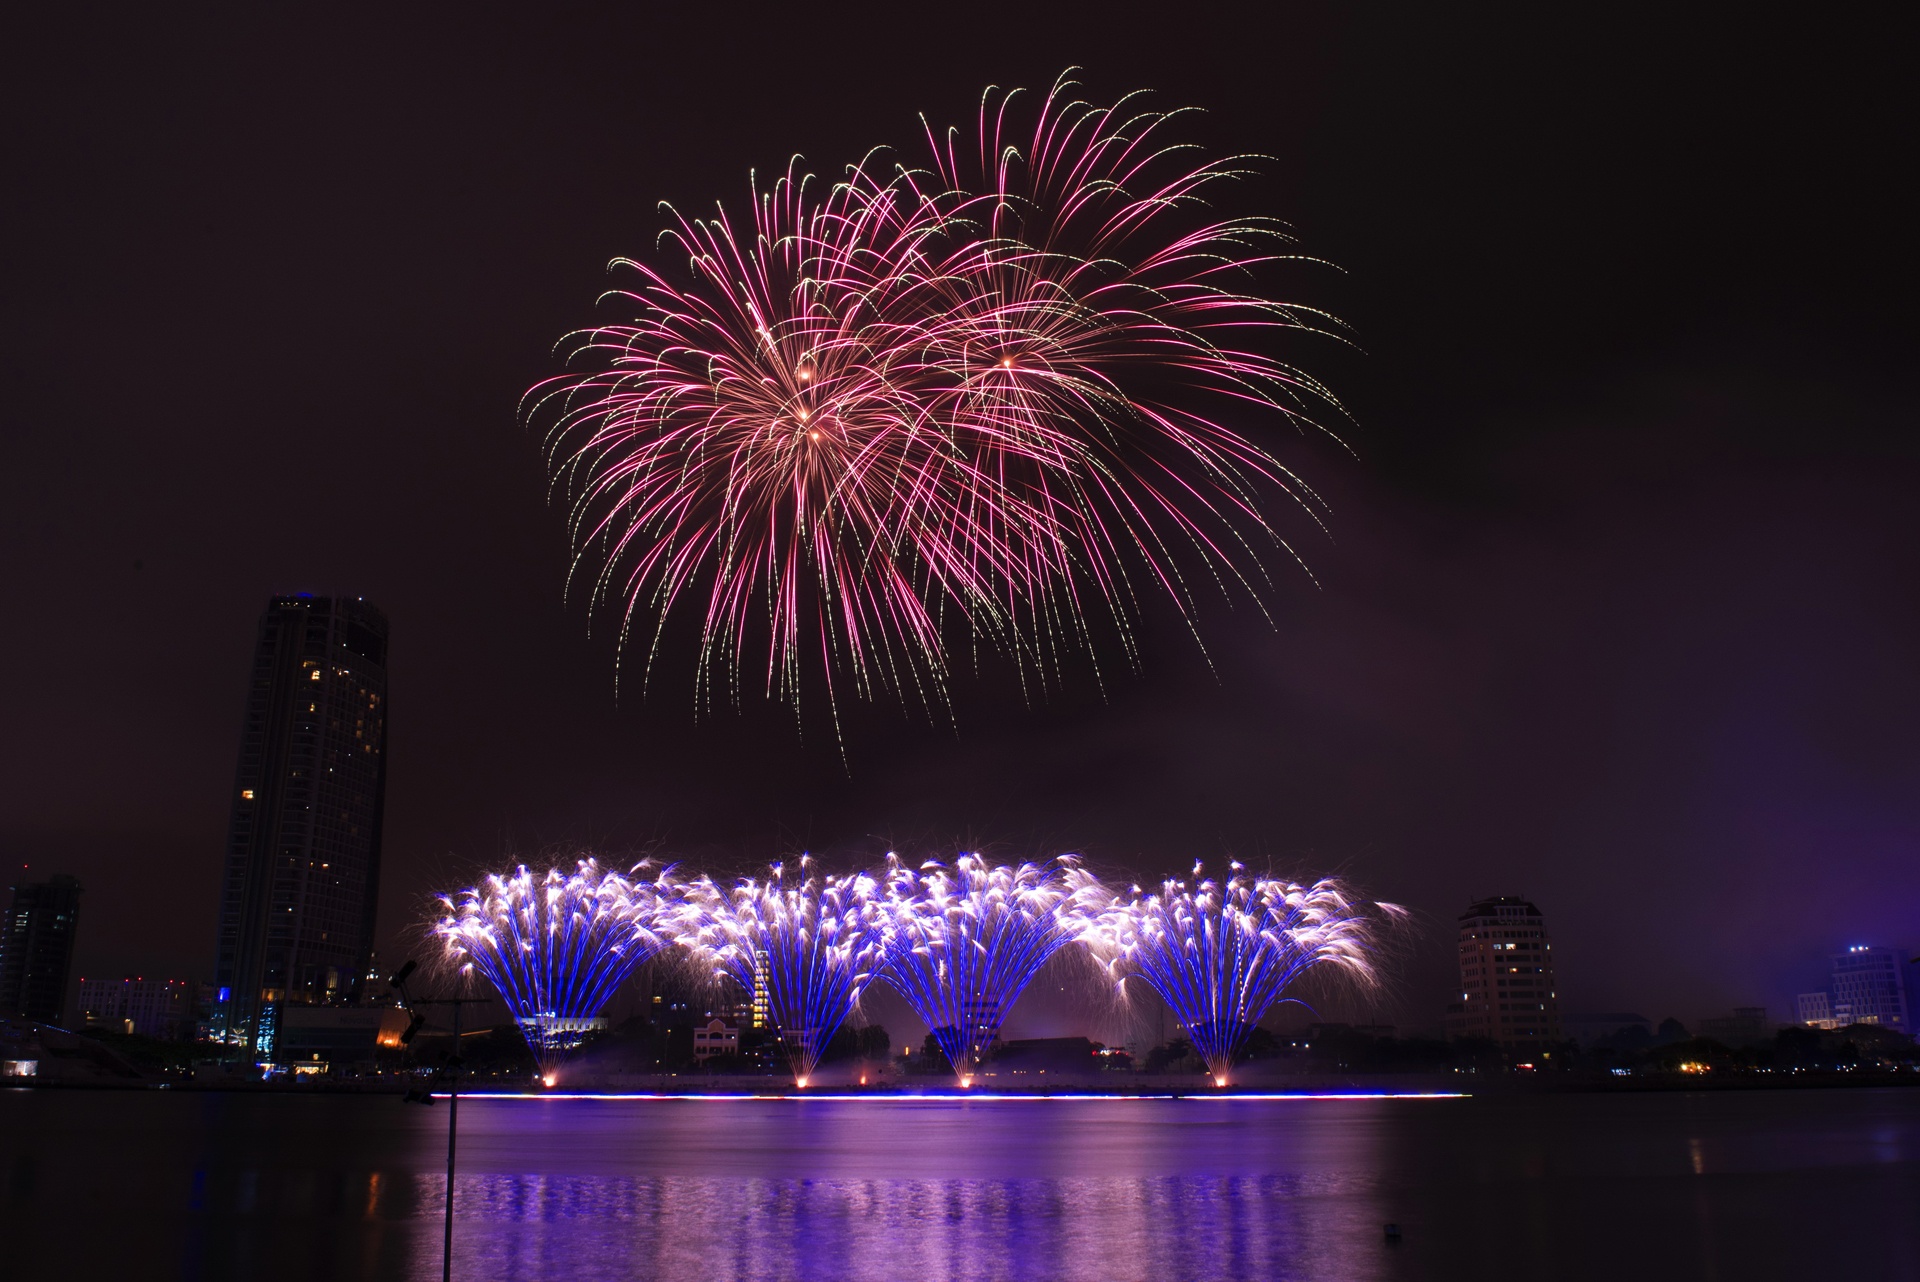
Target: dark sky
[1618,608]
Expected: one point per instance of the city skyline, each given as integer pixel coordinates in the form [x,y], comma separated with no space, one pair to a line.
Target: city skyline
[1611,607]
[1081,644]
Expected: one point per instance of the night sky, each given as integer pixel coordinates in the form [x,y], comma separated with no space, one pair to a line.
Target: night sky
[1617,611]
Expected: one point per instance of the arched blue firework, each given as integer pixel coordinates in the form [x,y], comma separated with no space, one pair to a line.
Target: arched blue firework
[801,948]
[964,942]
[1223,954]
[555,946]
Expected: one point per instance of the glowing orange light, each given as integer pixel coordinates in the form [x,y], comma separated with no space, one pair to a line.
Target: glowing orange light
[1006,362]
[1220,1080]
[549,1080]
[800,1082]
[813,436]
[966,1083]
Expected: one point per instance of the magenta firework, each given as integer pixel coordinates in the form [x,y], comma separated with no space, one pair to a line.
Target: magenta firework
[1223,954]
[555,946]
[994,395]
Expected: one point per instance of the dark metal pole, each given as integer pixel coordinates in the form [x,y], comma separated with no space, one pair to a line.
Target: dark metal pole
[399,982]
[453,1131]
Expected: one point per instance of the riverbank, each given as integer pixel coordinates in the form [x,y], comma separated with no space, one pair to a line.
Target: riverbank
[1136,1086]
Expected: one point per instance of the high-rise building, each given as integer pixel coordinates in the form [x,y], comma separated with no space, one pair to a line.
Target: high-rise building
[135,1004]
[762,999]
[1869,988]
[36,949]
[1506,976]
[303,845]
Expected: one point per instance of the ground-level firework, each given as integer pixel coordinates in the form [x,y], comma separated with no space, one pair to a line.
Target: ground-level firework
[555,946]
[965,941]
[959,942]
[800,946]
[1222,954]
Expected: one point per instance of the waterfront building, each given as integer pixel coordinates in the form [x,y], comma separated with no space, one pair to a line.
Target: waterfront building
[1870,988]
[1816,1010]
[715,1037]
[135,1004]
[1507,991]
[559,1033]
[302,874]
[328,1039]
[36,949]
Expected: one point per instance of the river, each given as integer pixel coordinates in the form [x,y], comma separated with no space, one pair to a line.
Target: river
[1720,1185]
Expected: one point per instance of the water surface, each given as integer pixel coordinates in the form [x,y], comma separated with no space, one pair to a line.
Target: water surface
[1737,1185]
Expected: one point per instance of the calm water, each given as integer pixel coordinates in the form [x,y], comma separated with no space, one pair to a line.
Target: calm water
[1735,1186]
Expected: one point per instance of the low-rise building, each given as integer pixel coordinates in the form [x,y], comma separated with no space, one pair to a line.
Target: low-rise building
[1816,1011]
[136,1004]
[715,1037]
[321,1039]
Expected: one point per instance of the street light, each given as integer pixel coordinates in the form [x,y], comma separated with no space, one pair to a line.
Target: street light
[424,1095]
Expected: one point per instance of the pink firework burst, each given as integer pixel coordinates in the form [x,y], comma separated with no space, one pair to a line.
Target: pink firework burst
[986,398]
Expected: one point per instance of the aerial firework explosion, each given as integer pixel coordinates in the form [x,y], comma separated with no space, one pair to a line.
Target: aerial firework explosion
[1223,954]
[964,942]
[990,398]
[555,947]
[802,948]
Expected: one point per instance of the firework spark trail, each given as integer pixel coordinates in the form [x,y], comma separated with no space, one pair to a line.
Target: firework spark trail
[964,942]
[807,946]
[555,947]
[981,398]
[1076,316]
[1223,954]
[763,438]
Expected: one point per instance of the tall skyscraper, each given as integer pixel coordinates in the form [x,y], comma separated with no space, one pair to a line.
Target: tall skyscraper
[36,949]
[1869,988]
[1506,976]
[303,846]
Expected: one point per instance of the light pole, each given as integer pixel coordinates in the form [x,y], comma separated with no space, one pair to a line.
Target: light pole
[451,1075]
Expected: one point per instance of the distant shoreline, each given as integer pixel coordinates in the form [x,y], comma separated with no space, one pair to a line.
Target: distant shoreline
[1424,1086]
